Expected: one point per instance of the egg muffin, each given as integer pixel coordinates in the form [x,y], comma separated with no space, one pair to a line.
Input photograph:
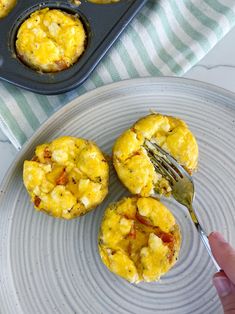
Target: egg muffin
[50,40]
[139,239]
[132,163]
[67,177]
[6,6]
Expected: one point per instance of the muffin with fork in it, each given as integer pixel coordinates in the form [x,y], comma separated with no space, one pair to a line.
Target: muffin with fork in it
[132,163]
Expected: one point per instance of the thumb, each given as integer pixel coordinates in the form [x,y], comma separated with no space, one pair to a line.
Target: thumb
[224,254]
[226,292]
[224,281]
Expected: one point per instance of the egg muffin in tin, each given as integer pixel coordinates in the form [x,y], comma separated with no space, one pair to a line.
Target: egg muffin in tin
[6,6]
[67,177]
[139,239]
[132,163]
[50,40]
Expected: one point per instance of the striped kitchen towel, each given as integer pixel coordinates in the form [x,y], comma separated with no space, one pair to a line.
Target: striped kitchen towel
[166,38]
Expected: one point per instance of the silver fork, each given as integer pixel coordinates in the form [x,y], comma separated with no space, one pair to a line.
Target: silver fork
[181,183]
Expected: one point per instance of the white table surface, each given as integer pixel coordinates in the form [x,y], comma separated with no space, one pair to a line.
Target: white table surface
[218,68]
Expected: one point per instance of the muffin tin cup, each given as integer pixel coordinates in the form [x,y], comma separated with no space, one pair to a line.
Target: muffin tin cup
[103,24]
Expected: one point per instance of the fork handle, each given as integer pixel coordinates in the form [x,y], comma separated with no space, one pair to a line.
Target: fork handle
[205,241]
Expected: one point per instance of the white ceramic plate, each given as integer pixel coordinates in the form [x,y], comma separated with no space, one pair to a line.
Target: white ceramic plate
[52,266]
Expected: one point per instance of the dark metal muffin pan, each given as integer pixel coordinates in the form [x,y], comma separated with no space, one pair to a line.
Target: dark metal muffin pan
[103,23]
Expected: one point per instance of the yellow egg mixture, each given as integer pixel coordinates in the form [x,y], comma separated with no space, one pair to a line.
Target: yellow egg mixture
[133,165]
[139,239]
[6,6]
[67,177]
[50,40]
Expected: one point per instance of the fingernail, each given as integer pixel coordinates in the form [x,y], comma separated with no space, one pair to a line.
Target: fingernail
[222,285]
[216,235]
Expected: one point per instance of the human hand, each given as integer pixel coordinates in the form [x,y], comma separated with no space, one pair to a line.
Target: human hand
[224,281]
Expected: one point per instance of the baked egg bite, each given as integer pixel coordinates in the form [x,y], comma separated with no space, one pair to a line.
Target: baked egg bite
[50,40]
[132,163]
[67,177]
[139,239]
[6,6]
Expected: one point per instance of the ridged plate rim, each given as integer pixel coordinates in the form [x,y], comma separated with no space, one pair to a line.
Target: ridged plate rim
[203,89]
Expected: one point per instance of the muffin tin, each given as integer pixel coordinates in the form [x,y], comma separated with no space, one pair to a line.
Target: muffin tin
[103,24]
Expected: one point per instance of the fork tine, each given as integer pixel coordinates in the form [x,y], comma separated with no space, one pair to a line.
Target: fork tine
[157,162]
[174,163]
[162,160]
[169,167]
[158,166]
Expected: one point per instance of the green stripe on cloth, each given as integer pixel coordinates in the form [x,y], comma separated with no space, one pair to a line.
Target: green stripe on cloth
[222,9]
[96,79]
[142,52]
[205,19]
[45,104]
[24,106]
[192,32]
[174,39]
[167,37]
[126,59]
[163,54]
[111,68]
[10,121]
